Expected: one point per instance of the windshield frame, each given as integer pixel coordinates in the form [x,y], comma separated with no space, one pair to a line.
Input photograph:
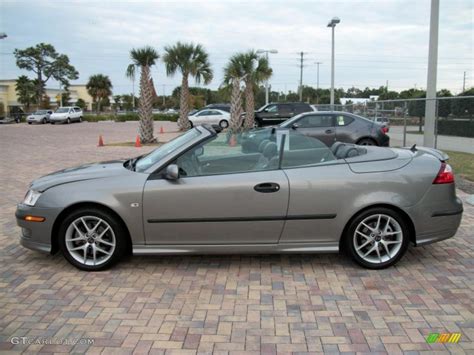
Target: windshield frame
[168,158]
[62,110]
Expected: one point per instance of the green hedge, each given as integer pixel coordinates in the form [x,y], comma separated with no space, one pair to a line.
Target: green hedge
[464,128]
[128,117]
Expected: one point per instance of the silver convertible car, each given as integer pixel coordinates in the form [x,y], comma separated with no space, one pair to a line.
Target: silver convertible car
[262,191]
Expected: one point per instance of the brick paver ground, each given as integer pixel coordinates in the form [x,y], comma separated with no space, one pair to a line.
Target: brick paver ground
[251,304]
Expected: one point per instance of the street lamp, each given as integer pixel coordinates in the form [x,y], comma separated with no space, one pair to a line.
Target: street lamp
[266,51]
[3,35]
[332,24]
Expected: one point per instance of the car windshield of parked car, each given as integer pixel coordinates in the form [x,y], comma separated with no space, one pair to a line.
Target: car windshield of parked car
[62,110]
[156,155]
[40,112]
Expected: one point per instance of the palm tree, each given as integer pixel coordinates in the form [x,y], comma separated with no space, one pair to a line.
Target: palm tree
[256,70]
[99,87]
[144,58]
[192,60]
[233,75]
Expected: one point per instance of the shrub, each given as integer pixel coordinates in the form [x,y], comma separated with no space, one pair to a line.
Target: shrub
[460,128]
[128,117]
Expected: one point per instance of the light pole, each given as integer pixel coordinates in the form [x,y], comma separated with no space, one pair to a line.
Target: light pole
[332,24]
[430,106]
[3,35]
[317,82]
[266,51]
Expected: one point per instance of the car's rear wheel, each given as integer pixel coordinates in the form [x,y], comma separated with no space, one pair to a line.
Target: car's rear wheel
[44,121]
[92,239]
[80,119]
[367,141]
[68,120]
[377,238]
[224,124]
[29,122]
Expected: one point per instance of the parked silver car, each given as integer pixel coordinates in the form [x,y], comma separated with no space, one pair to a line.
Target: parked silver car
[203,193]
[40,116]
[67,115]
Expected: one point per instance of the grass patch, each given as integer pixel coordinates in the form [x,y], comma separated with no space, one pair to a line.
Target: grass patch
[463,164]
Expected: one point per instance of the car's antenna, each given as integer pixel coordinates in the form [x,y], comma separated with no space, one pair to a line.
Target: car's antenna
[413,148]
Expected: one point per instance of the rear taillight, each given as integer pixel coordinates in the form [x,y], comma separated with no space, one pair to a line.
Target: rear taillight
[445,175]
[384,130]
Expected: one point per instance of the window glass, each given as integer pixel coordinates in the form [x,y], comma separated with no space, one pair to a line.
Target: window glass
[310,121]
[224,155]
[301,150]
[215,113]
[159,153]
[272,108]
[204,113]
[343,120]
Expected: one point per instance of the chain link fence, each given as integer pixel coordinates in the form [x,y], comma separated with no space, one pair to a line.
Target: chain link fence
[454,121]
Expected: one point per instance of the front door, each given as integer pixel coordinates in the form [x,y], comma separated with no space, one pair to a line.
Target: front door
[222,196]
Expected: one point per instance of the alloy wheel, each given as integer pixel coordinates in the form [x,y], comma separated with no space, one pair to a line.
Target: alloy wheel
[90,240]
[378,238]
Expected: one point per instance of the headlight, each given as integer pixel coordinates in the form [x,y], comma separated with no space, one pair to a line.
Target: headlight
[31,198]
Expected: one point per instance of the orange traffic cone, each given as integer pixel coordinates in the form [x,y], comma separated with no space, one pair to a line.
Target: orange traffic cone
[101,142]
[137,142]
[162,130]
[232,141]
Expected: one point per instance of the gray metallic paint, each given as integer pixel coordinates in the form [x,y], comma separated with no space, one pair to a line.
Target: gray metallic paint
[341,188]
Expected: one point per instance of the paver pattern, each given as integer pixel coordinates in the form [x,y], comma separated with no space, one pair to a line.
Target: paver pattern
[203,304]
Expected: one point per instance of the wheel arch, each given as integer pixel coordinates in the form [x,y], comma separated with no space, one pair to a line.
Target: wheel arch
[367,137]
[75,206]
[406,217]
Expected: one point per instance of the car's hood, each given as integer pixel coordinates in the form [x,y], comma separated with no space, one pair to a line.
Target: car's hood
[79,173]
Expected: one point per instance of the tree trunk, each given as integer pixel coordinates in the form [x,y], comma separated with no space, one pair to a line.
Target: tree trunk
[145,107]
[39,88]
[183,121]
[249,105]
[235,107]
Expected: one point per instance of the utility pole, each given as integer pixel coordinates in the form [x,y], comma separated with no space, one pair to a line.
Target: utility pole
[164,96]
[464,82]
[430,107]
[301,75]
[317,82]
[266,51]
[334,21]
[386,87]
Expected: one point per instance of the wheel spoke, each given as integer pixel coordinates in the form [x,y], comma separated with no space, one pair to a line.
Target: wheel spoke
[368,227]
[393,233]
[363,245]
[378,253]
[85,255]
[377,227]
[101,241]
[77,229]
[103,232]
[370,251]
[78,248]
[75,239]
[94,253]
[388,242]
[363,235]
[386,249]
[85,225]
[95,227]
[103,251]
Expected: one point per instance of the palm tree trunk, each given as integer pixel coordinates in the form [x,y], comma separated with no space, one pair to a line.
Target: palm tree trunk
[235,106]
[145,107]
[249,105]
[183,121]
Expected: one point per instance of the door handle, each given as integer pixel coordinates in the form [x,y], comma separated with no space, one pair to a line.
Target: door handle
[267,187]
[329,131]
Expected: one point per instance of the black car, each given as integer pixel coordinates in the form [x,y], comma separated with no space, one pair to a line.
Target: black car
[276,113]
[332,126]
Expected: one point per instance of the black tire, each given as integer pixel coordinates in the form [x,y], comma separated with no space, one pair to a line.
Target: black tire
[116,226]
[366,141]
[53,122]
[80,119]
[68,121]
[44,121]
[29,122]
[348,238]
[191,124]
[223,124]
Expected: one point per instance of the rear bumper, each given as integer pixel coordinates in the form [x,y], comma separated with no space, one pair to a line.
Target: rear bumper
[446,223]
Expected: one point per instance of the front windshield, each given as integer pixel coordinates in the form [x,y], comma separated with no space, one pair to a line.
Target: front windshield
[159,153]
[62,110]
[40,112]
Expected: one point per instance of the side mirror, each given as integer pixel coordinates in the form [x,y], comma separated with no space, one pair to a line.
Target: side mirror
[295,125]
[172,172]
[199,151]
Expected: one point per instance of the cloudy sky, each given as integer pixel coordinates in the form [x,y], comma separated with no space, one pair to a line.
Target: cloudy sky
[376,41]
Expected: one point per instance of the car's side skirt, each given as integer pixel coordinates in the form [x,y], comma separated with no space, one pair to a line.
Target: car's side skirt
[237,248]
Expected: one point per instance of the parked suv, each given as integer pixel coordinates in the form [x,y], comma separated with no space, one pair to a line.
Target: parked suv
[276,113]
[67,114]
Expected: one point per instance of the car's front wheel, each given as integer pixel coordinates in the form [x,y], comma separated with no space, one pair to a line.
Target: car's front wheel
[367,141]
[224,124]
[92,239]
[377,238]
[68,120]
[44,121]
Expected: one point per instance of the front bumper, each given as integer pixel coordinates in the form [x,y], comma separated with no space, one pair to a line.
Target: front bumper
[36,235]
[35,119]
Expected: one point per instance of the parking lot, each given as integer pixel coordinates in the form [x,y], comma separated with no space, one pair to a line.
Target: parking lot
[259,304]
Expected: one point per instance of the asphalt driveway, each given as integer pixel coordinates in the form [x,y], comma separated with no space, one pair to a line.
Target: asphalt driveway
[259,304]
